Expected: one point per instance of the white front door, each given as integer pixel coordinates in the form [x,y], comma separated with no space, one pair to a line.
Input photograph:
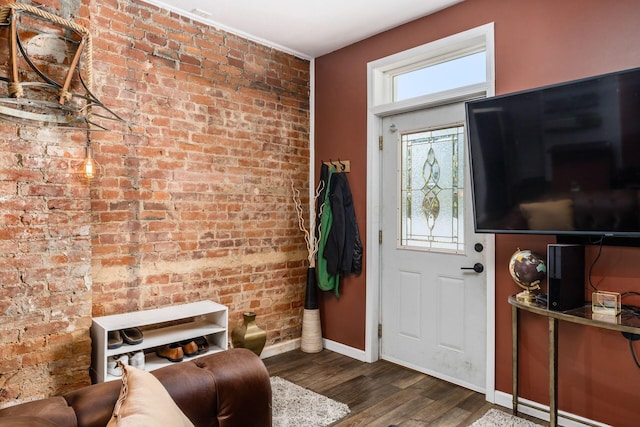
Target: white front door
[433,303]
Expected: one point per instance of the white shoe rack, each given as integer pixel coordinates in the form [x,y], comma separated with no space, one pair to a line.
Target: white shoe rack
[160,326]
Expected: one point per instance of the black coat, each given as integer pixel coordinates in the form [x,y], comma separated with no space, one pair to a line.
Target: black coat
[343,250]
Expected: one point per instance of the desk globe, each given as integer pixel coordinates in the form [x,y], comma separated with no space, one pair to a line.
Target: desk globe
[527,270]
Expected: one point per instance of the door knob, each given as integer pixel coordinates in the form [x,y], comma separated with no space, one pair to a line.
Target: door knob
[477,267]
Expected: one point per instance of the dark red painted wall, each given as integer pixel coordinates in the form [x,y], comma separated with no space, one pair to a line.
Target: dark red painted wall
[537,43]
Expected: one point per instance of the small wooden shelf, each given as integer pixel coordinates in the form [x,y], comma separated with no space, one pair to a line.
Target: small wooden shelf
[160,327]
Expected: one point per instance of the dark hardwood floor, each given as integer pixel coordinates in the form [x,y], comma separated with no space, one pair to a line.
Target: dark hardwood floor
[381,393]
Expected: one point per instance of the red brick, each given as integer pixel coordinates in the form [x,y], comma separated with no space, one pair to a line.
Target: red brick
[177,185]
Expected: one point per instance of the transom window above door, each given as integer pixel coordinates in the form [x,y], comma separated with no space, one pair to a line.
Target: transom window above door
[441,76]
[458,67]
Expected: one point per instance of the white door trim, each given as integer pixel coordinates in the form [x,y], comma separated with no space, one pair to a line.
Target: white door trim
[379,106]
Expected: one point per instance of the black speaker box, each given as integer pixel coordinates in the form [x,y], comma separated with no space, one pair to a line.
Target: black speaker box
[565,276]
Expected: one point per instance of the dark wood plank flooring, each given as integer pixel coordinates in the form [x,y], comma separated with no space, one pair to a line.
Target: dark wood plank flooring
[382,393]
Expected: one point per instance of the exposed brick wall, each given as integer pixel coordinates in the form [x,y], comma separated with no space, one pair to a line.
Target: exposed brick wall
[193,200]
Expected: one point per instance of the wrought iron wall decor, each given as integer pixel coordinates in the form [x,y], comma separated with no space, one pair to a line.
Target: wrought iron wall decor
[51,97]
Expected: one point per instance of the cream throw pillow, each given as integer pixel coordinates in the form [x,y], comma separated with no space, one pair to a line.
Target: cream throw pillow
[144,402]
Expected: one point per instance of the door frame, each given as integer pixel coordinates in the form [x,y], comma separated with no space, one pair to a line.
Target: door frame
[379,106]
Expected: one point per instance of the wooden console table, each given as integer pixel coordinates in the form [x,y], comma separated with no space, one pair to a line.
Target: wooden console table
[625,322]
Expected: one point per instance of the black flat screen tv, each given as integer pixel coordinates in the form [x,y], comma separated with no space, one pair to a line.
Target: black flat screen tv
[561,159]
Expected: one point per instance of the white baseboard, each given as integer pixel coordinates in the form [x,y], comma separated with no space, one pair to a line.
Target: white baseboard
[540,411]
[281,347]
[286,346]
[351,352]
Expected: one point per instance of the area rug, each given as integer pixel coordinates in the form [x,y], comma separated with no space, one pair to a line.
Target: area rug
[496,418]
[295,406]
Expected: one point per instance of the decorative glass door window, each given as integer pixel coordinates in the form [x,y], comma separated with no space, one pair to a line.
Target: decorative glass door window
[432,189]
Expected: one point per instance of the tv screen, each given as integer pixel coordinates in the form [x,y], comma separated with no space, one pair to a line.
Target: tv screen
[562,159]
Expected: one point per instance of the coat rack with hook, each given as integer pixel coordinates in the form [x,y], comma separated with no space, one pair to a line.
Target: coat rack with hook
[340,165]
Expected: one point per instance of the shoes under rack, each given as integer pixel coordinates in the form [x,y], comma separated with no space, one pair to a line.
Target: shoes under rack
[186,322]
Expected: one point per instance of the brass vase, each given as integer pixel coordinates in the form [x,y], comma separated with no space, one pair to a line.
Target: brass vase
[248,334]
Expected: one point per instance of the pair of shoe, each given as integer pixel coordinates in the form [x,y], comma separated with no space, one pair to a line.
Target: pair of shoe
[177,351]
[171,352]
[135,359]
[202,343]
[131,336]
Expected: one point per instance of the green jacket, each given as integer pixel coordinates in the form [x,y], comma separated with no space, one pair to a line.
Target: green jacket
[326,281]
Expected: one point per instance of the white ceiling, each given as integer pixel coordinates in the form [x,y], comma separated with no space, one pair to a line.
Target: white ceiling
[305,28]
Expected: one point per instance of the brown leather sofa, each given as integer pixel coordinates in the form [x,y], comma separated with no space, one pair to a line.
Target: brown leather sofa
[226,389]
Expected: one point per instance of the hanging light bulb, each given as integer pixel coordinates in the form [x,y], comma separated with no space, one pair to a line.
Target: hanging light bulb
[89,165]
